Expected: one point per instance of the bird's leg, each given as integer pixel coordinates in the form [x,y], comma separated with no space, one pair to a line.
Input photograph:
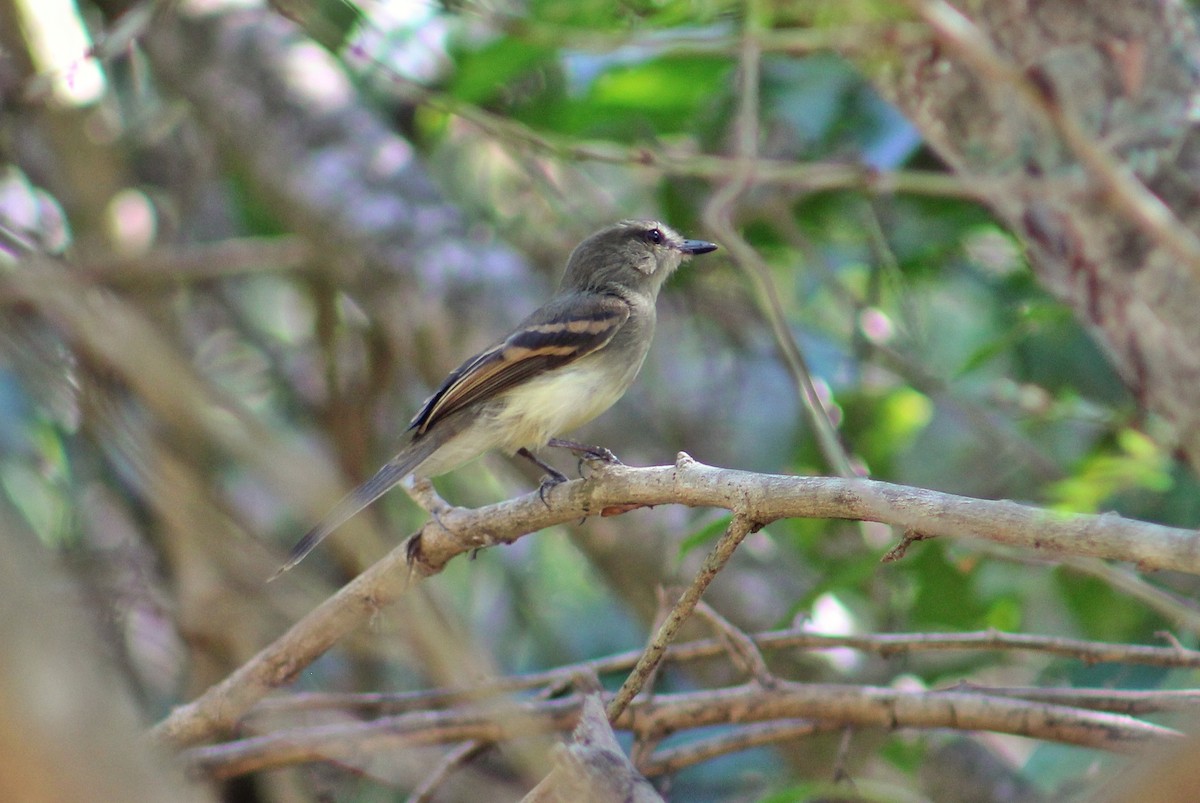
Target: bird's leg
[553,476]
[584,451]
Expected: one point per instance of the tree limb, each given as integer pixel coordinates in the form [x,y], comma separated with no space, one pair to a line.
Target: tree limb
[758,497]
[859,706]
[882,644]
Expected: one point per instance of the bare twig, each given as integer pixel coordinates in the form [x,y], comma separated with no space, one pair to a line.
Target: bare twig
[806,177]
[796,41]
[898,552]
[583,679]
[487,722]
[738,529]
[884,644]
[221,706]
[1170,606]
[1116,701]
[449,763]
[840,773]
[201,261]
[892,708]
[743,652]
[676,758]
[718,215]
[1178,610]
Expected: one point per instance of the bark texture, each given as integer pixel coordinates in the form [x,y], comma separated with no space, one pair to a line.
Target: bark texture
[1126,74]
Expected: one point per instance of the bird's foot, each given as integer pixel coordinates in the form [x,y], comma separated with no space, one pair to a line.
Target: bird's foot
[548,482]
[586,453]
[553,476]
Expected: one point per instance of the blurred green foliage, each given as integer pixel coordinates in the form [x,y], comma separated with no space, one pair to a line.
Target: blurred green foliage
[976,382]
[947,366]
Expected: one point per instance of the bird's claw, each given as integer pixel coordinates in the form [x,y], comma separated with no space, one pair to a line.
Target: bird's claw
[601,455]
[548,482]
[596,454]
[586,452]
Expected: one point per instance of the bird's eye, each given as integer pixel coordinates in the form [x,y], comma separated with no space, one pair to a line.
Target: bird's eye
[654,236]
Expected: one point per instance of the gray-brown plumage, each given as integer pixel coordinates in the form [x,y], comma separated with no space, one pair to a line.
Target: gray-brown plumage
[562,366]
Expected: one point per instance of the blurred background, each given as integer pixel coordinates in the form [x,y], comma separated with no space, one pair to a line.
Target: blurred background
[240,245]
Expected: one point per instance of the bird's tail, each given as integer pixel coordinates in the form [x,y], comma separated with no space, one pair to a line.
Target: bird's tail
[392,472]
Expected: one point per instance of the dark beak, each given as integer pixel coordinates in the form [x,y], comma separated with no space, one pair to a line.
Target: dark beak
[694,247]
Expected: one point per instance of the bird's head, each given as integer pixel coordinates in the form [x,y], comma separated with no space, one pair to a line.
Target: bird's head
[638,254]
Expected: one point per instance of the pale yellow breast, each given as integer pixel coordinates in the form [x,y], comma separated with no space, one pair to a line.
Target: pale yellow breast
[558,402]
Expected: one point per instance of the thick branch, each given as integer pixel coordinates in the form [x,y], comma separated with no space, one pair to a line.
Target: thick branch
[1133,702]
[1100,165]
[890,708]
[859,706]
[764,498]
[761,498]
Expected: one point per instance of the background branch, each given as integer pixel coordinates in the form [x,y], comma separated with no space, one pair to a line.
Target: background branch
[672,713]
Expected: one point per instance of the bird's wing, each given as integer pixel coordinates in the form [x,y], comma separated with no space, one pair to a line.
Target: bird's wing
[555,335]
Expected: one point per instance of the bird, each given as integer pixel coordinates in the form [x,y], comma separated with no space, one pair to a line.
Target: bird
[563,365]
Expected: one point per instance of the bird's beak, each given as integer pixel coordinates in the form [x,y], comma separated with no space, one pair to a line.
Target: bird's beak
[694,247]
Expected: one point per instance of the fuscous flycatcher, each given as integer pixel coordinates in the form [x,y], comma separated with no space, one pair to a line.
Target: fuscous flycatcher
[561,367]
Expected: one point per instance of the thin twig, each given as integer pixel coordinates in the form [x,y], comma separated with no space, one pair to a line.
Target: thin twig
[795,41]
[743,652]
[1168,605]
[1131,702]
[737,530]
[883,644]
[449,763]
[718,215]
[674,759]
[840,773]
[807,177]
[1179,611]
[201,261]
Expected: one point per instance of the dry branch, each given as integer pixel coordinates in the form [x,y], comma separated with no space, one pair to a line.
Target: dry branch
[883,644]
[764,498]
[842,705]
[758,497]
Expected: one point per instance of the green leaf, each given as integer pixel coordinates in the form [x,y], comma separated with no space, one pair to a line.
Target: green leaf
[1140,464]
[1101,612]
[706,534]
[634,102]
[946,593]
[482,73]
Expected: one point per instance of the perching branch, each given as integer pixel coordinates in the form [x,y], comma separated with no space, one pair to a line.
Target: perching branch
[764,498]
[760,498]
